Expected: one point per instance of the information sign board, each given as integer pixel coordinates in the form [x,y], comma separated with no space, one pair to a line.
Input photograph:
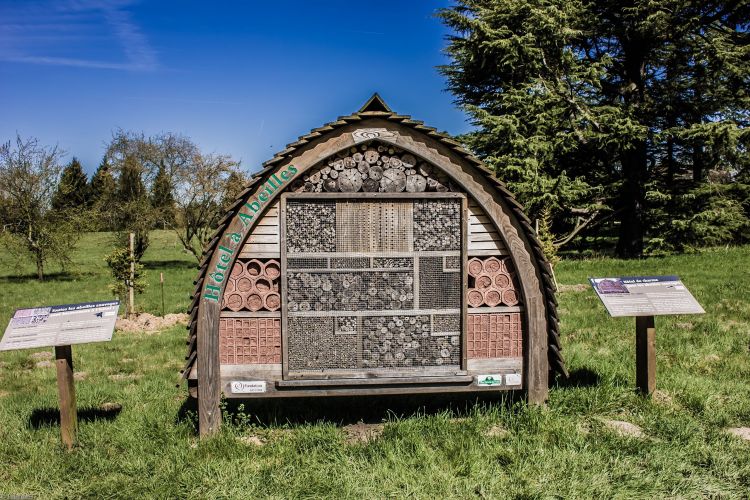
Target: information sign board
[60,325]
[645,296]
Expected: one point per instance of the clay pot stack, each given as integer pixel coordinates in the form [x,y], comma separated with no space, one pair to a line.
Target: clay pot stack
[253,285]
[492,283]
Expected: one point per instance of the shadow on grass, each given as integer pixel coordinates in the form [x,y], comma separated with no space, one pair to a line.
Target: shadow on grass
[48,277]
[345,410]
[48,417]
[169,264]
[581,377]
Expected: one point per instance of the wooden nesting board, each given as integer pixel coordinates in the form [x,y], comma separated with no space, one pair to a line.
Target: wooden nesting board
[264,241]
[483,237]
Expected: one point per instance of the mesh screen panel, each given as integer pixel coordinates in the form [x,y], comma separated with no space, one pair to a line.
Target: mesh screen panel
[382,298]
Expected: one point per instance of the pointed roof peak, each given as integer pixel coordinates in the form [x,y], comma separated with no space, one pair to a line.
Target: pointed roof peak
[375,103]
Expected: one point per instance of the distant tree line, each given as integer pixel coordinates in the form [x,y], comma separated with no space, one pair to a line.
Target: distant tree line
[142,183]
[619,125]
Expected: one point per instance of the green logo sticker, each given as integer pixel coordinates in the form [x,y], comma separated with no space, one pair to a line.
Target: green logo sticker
[490,380]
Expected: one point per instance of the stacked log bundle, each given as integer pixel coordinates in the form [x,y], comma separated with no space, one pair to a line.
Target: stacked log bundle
[491,282]
[253,285]
[349,291]
[373,168]
[406,341]
[437,225]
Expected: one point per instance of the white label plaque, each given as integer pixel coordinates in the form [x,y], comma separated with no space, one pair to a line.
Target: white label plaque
[645,296]
[247,386]
[60,325]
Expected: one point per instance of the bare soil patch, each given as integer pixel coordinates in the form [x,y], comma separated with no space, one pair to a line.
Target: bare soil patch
[146,322]
[496,431]
[41,355]
[740,432]
[78,376]
[625,429]
[44,364]
[362,433]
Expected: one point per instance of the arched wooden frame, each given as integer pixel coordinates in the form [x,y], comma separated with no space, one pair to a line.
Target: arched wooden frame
[470,179]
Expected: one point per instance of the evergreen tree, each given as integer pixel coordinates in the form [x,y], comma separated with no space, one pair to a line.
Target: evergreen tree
[103,185]
[134,213]
[162,199]
[594,110]
[72,190]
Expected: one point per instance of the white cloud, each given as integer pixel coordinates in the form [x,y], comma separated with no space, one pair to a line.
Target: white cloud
[31,29]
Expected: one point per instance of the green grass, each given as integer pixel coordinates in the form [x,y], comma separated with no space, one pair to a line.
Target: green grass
[150,449]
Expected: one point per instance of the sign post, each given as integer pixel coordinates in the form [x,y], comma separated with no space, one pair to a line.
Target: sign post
[645,297]
[60,327]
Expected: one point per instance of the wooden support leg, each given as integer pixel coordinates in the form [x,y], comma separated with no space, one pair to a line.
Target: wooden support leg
[67,391]
[645,354]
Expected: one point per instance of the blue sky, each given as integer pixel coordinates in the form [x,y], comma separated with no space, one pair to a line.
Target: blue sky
[241,78]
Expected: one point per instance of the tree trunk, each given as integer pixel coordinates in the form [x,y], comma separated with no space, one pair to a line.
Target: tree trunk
[632,201]
[39,266]
[633,157]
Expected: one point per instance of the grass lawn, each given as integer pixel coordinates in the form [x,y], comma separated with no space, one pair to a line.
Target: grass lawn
[444,449]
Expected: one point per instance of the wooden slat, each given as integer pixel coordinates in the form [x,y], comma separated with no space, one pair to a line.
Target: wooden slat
[260,247]
[482,227]
[484,237]
[266,230]
[479,219]
[484,245]
[269,221]
[263,238]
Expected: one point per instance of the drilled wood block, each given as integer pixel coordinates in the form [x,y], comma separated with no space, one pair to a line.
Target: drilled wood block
[244,341]
[494,335]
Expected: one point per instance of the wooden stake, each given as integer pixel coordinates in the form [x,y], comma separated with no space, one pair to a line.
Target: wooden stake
[161,281]
[67,392]
[131,290]
[645,354]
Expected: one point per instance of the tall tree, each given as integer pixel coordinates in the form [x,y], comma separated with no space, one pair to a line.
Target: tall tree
[29,177]
[582,105]
[162,199]
[133,207]
[73,189]
[103,184]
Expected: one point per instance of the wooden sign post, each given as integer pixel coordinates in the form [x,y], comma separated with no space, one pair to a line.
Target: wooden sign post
[645,297]
[61,326]
[645,354]
[67,391]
